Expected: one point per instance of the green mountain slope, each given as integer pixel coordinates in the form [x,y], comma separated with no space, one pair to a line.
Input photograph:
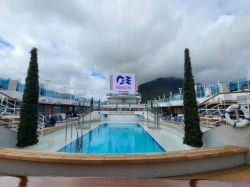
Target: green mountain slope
[158,87]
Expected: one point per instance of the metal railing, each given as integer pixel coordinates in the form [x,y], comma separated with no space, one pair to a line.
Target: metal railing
[71,122]
[79,122]
[156,114]
[9,111]
[10,114]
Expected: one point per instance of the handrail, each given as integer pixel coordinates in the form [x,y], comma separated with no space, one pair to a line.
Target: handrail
[2,100]
[208,99]
[9,106]
[15,109]
[66,126]
[213,110]
[241,91]
[10,97]
[41,124]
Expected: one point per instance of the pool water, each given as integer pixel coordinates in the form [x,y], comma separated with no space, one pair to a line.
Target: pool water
[114,138]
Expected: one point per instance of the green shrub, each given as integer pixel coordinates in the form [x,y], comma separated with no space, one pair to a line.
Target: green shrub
[193,134]
[27,130]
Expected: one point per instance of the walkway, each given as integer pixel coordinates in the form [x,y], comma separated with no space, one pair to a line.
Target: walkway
[237,176]
[239,173]
[112,182]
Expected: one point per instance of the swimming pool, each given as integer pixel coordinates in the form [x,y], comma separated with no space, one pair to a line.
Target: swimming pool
[114,138]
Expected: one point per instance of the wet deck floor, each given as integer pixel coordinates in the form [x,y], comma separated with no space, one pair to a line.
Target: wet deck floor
[10,181]
[239,173]
[237,176]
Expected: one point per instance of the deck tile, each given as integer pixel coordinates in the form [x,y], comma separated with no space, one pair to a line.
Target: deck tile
[93,158]
[176,156]
[237,149]
[4,151]
[136,158]
[194,155]
[224,152]
[16,155]
[72,158]
[157,157]
[33,157]
[51,157]
[114,159]
[211,153]
[238,173]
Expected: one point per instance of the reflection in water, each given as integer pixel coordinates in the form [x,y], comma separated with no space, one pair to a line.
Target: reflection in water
[23,181]
[193,183]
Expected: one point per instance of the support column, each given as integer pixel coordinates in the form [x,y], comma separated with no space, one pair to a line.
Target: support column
[52,109]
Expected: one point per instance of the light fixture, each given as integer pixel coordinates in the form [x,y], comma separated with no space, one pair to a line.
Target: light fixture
[180,89]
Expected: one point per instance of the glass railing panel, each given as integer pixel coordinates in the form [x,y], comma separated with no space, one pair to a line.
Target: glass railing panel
[243,83]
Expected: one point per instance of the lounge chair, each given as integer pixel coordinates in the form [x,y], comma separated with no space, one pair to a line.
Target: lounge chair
[165,118]
[175,119]
[66,116]
[69,117]
[179,120]
[56,118]
[60,118]
[47,120]
[169,118]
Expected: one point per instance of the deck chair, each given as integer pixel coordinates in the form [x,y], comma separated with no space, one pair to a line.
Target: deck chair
[179,120]
[169,118]
[60,118]
[69,117]
[66,116]
[165,118]
[56,118]
[47,120]
[175,119]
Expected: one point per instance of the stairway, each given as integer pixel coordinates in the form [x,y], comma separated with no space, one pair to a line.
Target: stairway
[10,114]
[212,114]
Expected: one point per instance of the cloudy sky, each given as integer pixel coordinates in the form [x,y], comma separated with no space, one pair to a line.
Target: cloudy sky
[82,42]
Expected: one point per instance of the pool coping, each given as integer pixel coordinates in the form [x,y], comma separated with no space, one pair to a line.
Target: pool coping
[81,158]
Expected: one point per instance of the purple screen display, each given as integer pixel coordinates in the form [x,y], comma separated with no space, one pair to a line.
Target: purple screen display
[124,82]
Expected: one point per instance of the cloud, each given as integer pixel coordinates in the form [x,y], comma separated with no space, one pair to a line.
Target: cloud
[80,43]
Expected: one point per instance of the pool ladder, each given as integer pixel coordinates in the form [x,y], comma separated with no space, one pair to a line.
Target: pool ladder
[156,115]
[72,122]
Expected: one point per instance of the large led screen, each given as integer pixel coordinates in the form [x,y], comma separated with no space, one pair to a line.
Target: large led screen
[123,82]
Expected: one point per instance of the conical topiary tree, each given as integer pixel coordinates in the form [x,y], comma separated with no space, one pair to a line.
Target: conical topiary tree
[27,130]
[193,134]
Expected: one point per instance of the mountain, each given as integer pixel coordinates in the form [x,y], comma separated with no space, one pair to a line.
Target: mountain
[158,87]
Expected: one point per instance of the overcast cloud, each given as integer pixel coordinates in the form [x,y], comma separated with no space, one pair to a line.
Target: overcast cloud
[80,43]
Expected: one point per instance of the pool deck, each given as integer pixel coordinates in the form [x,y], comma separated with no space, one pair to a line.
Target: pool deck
[236,176]
[238,173]
[111,182]
[58,157]
[148,165]
[122,165]
[59,126]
